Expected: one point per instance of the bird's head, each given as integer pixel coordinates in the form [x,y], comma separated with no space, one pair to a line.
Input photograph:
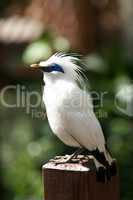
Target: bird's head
[68,67]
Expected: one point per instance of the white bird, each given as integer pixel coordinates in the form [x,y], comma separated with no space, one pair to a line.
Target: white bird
[70,111]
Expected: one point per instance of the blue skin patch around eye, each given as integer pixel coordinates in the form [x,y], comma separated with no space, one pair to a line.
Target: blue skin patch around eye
[53,68]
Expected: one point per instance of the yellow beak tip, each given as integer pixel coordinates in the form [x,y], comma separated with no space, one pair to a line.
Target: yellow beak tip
[34,65]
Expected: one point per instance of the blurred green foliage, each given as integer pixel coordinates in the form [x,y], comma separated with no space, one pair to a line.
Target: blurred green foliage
[27,141]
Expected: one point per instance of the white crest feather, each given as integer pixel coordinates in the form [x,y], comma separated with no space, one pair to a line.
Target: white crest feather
[73,64]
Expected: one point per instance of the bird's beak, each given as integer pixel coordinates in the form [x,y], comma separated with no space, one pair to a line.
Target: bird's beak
[34,66]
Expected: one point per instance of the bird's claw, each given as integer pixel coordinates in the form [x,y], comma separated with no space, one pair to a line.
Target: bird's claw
[65,160]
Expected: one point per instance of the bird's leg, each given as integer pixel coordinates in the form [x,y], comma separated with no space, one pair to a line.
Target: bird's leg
[70,157]
[76,153]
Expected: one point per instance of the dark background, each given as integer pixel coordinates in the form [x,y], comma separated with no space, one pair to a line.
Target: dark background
[32,30]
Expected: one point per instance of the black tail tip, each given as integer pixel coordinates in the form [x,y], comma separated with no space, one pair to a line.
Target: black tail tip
[108,173]
[113,168]
[101,175]
[104,174]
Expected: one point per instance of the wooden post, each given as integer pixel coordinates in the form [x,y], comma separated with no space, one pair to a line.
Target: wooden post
[77,181]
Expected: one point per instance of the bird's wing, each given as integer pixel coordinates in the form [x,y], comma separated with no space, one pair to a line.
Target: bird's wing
[85,128]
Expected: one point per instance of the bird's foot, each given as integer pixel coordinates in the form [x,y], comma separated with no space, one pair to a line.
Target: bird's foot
[66,159]
[69,158]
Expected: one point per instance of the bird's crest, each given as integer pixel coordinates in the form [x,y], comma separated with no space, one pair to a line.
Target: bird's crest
[73,63]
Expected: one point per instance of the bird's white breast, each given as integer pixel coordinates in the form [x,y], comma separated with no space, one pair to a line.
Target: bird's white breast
[57,99]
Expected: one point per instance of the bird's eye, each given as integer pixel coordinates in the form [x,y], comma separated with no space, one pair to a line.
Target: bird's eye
[52,68]
[56,67]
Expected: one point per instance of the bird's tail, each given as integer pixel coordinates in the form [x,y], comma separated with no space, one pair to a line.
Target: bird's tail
[111,163]
[107,161]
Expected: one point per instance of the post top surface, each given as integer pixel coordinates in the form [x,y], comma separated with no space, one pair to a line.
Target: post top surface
[81,163]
